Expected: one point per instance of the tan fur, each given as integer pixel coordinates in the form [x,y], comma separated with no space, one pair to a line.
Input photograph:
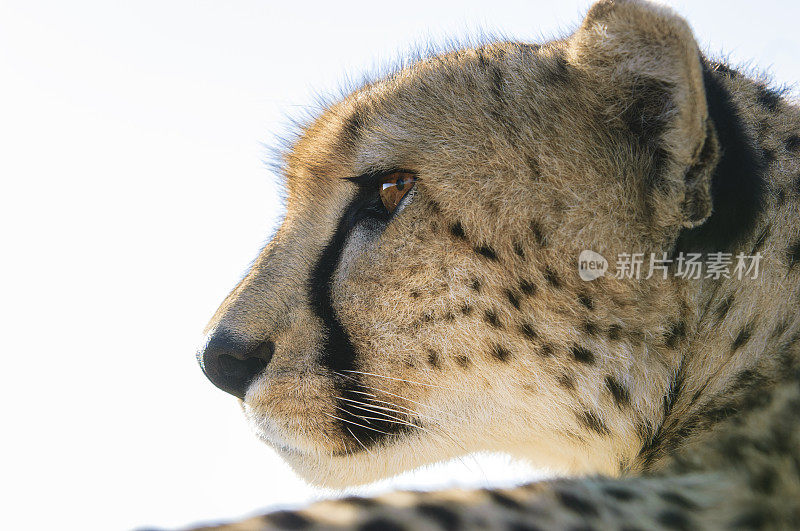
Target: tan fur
[529,150]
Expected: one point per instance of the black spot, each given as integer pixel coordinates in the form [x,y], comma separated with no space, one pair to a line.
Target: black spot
[742,337]
[752,519]
[444,517]
[793,143]
[358,501]
[526,287]
[768,155]
[763,481]
[490,316]
[674,334]
[538,233]
[724,307]
[504,500]
[614,332]
[565,381]
[457,230]
[434,359]
[546,350]
[583,355]
[449,317]
[619,493]
[577,504]
[528,331]
[501,353]
[353,127]
[590,328]
[593,422]
[552,277]
[518,250]
[287,520]
[381,524]
[793,254]
[476,285]
[768,98]
[463,361]
[512,298]
[466,309]
[533,165]
[557,71]
[586,300]
[678,499]
[672,519]
[487,252]
[414,294]
[620,394]
[737,185]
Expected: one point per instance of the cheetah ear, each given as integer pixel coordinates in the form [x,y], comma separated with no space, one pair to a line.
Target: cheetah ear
[648,68]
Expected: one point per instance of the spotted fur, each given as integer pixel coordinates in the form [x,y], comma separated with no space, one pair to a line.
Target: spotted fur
[365,343]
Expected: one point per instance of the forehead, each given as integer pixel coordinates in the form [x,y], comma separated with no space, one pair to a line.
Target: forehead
[443,104]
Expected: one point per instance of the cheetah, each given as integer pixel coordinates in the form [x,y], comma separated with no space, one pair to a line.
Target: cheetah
[423,297]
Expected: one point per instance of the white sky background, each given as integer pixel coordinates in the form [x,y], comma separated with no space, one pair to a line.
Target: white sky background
[133,198]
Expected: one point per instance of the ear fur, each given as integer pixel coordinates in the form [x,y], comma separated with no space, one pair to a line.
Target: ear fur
[648,66]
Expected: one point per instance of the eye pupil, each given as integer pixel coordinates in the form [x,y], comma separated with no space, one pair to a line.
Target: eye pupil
[394,187]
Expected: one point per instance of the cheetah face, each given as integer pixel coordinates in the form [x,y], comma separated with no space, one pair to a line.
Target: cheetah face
[421,299]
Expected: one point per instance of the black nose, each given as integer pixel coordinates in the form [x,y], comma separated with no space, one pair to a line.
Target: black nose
[232,364]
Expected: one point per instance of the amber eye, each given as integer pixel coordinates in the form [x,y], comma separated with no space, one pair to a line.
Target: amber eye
[394,187]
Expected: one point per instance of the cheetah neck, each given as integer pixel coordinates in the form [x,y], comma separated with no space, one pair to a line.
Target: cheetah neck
[742,332]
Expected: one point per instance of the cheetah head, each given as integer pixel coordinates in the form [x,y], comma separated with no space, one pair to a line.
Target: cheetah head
[421,299]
